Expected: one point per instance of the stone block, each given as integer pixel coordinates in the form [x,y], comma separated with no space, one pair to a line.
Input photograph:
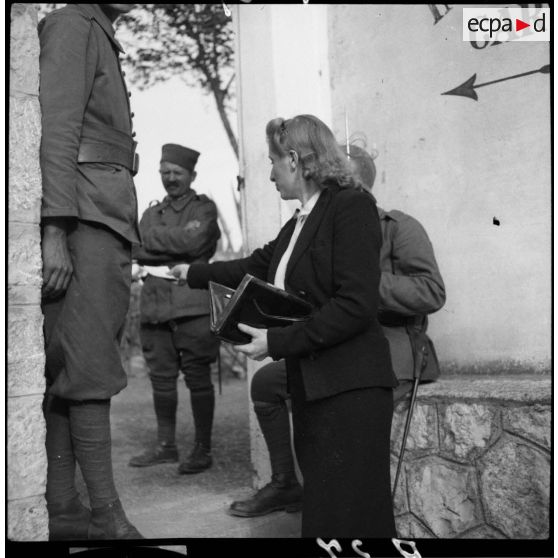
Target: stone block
[525,389]
[467,429]
[423,432]
[23,294]
[24,50]
[27,519]
[26,377]
[25,185]
[483,532]
[515,486]
[444,495]
[26,455]
[24,257]
[25,334]
[409,527]
[532,422]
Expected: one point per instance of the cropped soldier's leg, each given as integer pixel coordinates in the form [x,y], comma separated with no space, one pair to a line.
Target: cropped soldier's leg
[198,349]
[68,517]
[162,360]
[91,439]
[82,352]
[269,394]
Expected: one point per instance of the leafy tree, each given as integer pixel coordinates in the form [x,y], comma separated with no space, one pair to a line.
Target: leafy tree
[192,41]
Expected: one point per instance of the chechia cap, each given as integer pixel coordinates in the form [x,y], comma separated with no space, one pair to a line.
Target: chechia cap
[180,155]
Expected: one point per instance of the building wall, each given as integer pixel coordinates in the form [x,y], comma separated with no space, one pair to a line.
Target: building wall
[275,77]
[26,458]
[455,164]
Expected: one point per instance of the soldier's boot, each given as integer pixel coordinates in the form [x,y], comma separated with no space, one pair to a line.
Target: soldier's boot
[282,493]
[110,522]
[68,521]
[200,459]
[165,403]
[163,453]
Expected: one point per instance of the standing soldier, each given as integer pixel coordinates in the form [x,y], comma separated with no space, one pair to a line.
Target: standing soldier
[89,222]
[175,330]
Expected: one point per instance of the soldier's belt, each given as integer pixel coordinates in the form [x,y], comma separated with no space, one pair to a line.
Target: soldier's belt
[93,152]
[101,143]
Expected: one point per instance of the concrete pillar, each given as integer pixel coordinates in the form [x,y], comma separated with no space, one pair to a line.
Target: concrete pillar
[276,76]
[27,465]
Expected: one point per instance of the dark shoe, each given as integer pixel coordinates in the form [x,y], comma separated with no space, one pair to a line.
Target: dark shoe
[110,522]
[200,459]
[282,493]
[68,522]
[161,454]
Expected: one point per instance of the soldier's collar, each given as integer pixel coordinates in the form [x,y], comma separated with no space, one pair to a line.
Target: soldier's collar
[178,203]
[96,14]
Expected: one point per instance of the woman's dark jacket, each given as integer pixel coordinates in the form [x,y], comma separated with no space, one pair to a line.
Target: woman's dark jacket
[335,267]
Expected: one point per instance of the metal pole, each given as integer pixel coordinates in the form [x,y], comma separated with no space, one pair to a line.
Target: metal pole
[406,433]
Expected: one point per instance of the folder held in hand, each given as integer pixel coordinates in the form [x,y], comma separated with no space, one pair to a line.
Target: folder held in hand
[254,303]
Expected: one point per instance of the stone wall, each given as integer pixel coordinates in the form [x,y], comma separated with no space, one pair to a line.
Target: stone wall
[27,515]
[477,461]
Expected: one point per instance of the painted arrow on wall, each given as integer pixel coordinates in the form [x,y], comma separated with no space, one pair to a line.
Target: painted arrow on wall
[467,89]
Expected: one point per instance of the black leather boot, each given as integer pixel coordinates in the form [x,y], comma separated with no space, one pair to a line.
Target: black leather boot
[163,453]
[282,493]
[69,521]
[199,460]
[110,522]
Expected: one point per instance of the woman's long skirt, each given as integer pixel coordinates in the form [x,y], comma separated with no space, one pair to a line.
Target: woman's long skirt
[342,445]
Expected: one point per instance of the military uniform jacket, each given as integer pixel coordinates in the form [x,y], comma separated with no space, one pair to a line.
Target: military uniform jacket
[410,285]
[176,231]
[83,97]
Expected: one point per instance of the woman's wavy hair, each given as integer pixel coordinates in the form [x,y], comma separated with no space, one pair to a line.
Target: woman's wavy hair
[321,157]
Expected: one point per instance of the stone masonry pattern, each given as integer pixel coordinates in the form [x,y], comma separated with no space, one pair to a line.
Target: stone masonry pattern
[27,518]
[475,469]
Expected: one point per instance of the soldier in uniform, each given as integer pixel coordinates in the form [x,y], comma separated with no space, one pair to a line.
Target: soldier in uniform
[89,222]
[174,329]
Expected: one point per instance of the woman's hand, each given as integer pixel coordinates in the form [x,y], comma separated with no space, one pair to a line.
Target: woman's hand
[257,349]
[180,271]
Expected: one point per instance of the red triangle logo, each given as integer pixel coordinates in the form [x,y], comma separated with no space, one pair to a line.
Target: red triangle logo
[519,25]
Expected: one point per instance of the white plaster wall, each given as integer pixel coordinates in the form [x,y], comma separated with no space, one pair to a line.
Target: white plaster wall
[455,163]
[451,162]
[276,76]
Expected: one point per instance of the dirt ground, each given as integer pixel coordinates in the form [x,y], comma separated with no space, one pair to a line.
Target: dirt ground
[163,504]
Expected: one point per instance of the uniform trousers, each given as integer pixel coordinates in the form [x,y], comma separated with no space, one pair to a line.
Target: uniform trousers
[342,445]
[82,332]
[187,345]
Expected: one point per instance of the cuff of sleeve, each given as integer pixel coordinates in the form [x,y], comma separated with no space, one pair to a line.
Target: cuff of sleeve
[274,344]
[198,276]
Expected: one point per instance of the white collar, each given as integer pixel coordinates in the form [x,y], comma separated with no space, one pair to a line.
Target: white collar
[307,207]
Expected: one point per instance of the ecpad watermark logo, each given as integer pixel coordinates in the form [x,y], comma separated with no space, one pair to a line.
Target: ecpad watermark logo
[506,24]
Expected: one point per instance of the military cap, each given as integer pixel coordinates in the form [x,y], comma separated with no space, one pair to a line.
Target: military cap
[179,155]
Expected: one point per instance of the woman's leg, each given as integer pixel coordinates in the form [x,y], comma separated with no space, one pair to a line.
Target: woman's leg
[269,396]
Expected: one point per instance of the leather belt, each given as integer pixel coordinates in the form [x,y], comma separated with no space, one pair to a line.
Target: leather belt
[94,152]
[102,143]
[391,319]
